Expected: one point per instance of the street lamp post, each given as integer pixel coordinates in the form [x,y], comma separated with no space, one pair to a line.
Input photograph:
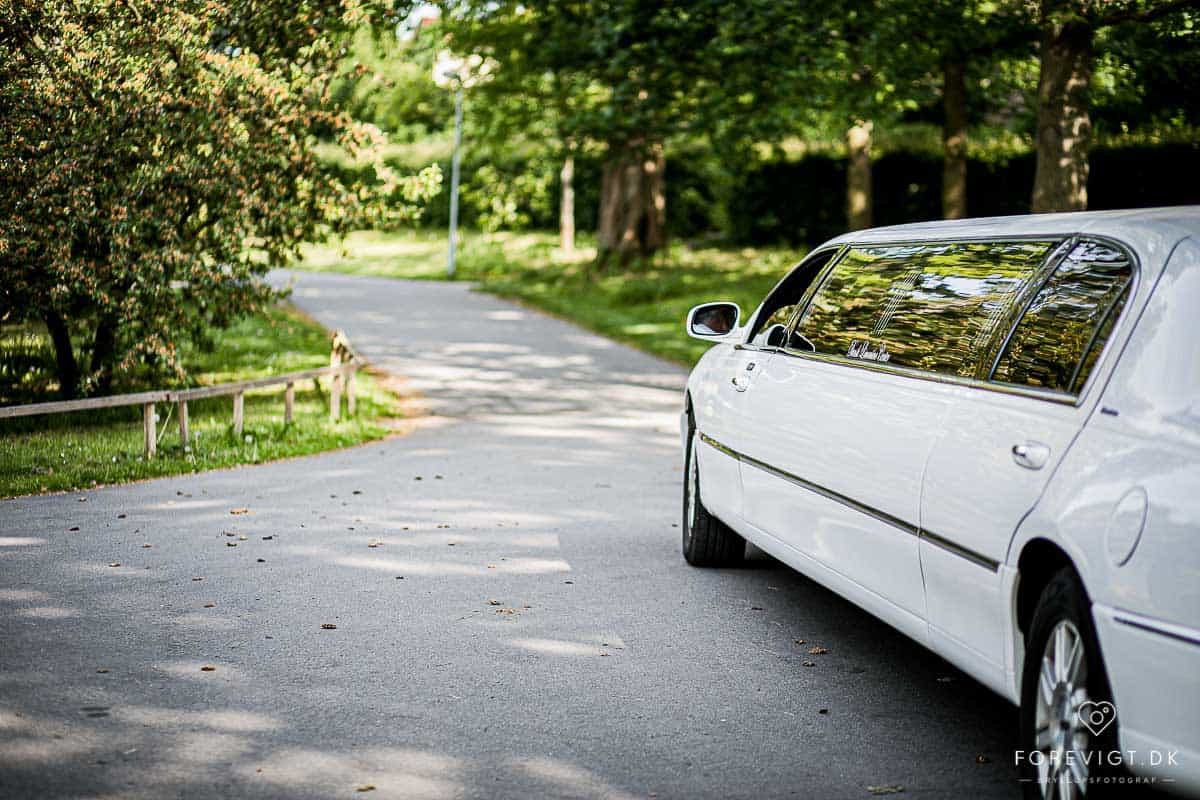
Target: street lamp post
[454,171]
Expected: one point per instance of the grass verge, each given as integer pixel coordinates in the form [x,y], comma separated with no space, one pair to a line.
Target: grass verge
[79,450]
[644,306]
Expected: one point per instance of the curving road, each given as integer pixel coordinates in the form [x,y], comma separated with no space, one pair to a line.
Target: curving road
[524,626]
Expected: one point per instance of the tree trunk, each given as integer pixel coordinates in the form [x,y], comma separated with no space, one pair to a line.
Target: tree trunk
[104,351]
[954,140]
[632,219]
[566,206]
[858,176]
[1064,129]
[64,355]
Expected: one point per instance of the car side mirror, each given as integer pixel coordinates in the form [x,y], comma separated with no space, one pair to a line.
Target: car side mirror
[713,321]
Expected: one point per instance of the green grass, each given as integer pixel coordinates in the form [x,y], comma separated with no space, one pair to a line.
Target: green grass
[82,449]
[644,306]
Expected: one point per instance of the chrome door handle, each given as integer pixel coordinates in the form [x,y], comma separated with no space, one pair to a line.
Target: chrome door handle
[1031,455]
[741,381]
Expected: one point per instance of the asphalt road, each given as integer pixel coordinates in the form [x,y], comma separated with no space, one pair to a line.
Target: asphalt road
[525,626]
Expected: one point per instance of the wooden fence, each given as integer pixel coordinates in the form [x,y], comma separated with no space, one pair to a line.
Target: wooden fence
[344,363]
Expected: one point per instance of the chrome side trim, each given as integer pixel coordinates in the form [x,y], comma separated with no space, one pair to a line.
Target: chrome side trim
[1176,632]
[990,564]
[907,527]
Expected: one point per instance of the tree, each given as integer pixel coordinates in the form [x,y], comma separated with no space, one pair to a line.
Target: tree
[1064,126]
[156,160]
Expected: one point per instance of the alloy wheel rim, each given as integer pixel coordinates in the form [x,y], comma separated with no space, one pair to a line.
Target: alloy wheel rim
[1060,737]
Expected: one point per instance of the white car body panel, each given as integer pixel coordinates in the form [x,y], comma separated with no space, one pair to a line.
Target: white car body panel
[1123,475]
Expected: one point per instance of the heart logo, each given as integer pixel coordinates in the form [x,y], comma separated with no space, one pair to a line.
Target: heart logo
[1096,716]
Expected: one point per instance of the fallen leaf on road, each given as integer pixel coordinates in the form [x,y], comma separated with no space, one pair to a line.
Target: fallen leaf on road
[328,626]
[817,650]
[886,788]
[239,511]
[208,669]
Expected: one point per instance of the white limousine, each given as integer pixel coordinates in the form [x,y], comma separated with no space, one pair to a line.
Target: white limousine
[986,433]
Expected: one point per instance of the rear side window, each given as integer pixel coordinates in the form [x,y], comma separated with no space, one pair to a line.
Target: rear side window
[933,307]
[1059,339]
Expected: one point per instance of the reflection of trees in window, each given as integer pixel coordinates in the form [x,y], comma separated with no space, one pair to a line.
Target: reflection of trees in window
[1059,339]
[934,307]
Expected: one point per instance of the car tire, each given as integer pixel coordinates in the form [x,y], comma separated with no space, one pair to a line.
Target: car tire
[707,542]
[1063,681]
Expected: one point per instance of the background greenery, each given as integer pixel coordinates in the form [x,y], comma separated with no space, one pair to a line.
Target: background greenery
[81,449]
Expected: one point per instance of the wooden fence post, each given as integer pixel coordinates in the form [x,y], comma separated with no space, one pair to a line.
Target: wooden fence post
[184,435]
[350,396]
[239,401]
[289,402]
[149,430]
[335,381]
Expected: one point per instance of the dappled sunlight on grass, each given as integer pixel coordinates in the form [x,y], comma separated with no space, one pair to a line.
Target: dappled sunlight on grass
[76,450]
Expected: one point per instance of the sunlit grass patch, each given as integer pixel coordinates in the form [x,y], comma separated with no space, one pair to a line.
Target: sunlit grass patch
[78,450]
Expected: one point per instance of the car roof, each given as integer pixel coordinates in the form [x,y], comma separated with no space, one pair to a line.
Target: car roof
[1149,231]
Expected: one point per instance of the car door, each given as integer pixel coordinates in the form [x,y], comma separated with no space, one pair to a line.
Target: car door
[857,401]
[1001,442]
[723,418]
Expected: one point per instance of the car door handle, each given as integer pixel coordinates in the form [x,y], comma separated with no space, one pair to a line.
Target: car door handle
[741,381]
[1031,455]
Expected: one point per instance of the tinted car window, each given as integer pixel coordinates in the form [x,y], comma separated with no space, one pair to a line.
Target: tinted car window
[779,306]
[933,307]
[1059,339]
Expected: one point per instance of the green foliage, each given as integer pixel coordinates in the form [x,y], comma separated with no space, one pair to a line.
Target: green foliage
[388,82]
[156,159]
[73,451]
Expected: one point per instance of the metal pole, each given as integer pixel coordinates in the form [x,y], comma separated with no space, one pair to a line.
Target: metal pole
[458,100]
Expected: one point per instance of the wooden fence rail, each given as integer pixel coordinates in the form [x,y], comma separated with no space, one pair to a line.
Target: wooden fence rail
[344,362]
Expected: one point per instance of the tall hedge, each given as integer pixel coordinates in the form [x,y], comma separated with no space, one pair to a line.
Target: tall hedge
[802,202]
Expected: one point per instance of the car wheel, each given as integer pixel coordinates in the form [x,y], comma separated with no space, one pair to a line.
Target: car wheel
[1068,721]
[707,542]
